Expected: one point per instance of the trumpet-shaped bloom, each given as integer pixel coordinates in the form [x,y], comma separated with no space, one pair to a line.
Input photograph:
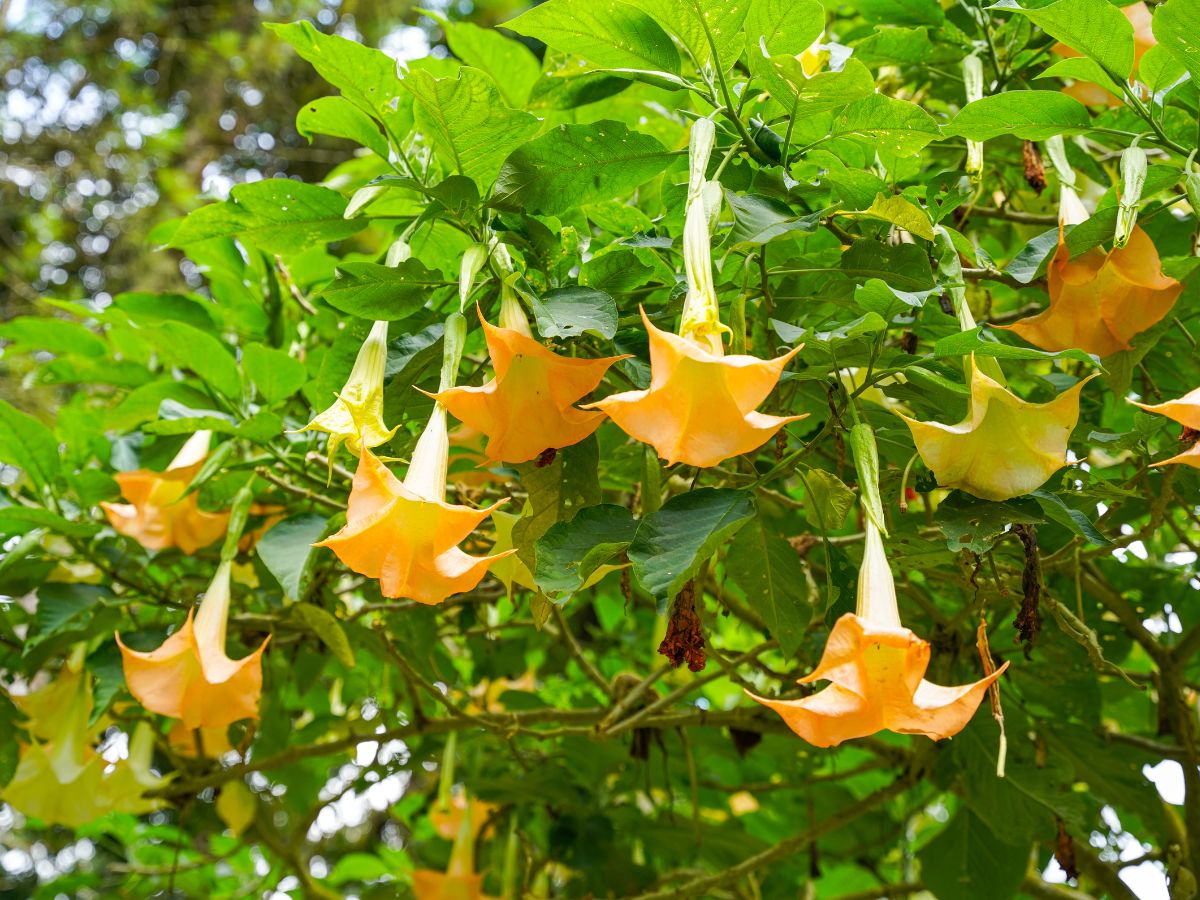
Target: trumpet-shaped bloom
[1099,301]
[157,515]
[189,677]
[404,533]
[459,881]
[527,408]
[62,781]
[356,416]
[700,406]
[1185,411]
[875,668]
[1005,446]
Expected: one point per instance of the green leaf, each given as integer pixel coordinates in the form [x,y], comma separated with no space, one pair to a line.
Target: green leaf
[904,266]
[1160,69]
[325,626]
[16,520]
[287,552]
[59,336]
[973,524]
[903,213]
[608,34]
[570,311]
[28,444]
[903,12]
[981,342]
[1175,27]
[509,62]
[895,126]
[1080,68]
[190,348]
[1058,510]
[569,552]
[702,27]
[372,291]
[274,372]
[467,122]
[578,164]
[965,859]
[556,493]
[63,608]
[783,27]
[675,542]
[758,220]
[1095,28]
[768,570]
[1031,115]
[338,117]
[277,215]
[828,500]
[366,77]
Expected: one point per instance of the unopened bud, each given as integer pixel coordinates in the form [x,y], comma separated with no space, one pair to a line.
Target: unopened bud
[398,253]
[972,70]
[700,145]
[1133,179]
[473,259]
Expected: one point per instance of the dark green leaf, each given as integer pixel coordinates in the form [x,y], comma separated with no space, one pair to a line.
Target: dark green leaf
[768,570]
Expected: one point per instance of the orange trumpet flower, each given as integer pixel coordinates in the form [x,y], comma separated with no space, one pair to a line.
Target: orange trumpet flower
[700,406]
[875,668]
[157,515]
[527,408]
[1005,446]
[1099,301]
[1185,411]
[460,880]
[405,533]
[189,677]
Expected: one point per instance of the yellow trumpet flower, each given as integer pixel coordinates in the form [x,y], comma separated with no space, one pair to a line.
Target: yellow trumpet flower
[1185,411]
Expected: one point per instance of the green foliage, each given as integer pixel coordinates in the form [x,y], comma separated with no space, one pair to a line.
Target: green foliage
[246,265]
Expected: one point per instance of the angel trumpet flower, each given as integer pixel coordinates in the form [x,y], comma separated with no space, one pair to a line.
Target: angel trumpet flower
[460,881]
[1099,301]
[404,533]
[875,668]
[356,416]
[700,406]
[1185,411]
[157,515]
[62,781]
[526,408]
[189,677]
[1005,446]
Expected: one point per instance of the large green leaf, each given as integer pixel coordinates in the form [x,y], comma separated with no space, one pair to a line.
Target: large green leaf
[1032,115]
[675,542]
[578,164]
[27,444]
[366,77]
[338,117]
[897,126]
[1095,28]
[509,62]
[768,570]
[967,860]
[287,552]
[275,373]
[373,291]
[1177,28]
[467,122]
[702,27]
[190,348]
[783,26]
[53,335]
[608,34]
[278,215]
[570,552]
[570,311]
